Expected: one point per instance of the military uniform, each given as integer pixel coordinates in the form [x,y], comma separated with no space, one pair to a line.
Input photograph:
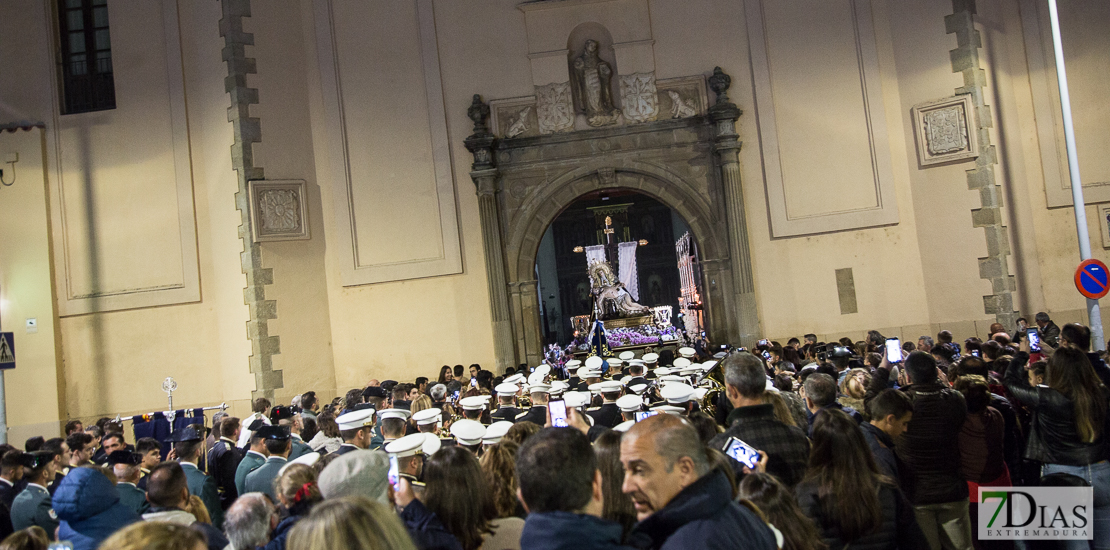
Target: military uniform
[537,414]
[608,415]
[507,413]
[204,486]
[223,461]
[261,480]
[300,448]
[344,449]
[132,497]
[7,492]
[637,380]
[33,507]
[251,461]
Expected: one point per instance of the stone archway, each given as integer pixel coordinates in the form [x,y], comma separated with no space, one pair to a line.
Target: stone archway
[690,164]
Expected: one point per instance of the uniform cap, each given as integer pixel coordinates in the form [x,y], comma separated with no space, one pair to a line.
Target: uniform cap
[607,386]
[309,460]
[558,387]
[427,416]
[650,357]
[468,432]
[258,423]
[539,388]
[356,419]
[496,431]
[627,356]
[188,433]
[575,399]
[687,352]
[431,444]
[589,372]
[472,403]
[409,445]
[677,393]
[544,369]
[662,371]
[637,388]
[394,413]
[681,363]
[276,433]
[506,389]
[36,459]
[515,379]
[375,391]
[594,362]
[280,413]
[630,403]
[573,364]
[669,409]
[536,378]
[672,379]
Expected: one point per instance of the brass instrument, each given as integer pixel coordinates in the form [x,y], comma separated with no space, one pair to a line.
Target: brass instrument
[715,383]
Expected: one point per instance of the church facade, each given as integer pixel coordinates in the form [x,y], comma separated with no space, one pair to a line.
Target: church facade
[262,198]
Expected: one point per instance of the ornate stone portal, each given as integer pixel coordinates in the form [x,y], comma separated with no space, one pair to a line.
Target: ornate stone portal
[685,155]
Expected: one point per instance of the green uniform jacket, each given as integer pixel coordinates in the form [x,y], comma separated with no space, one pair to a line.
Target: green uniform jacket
[251,461]
[262,479]
[32,507]
[299,449]
[204,486]
[133,497]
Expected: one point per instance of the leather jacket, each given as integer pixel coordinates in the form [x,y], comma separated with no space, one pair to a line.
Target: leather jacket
[1053,437]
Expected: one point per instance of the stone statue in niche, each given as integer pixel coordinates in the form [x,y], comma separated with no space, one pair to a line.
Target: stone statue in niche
[590,83]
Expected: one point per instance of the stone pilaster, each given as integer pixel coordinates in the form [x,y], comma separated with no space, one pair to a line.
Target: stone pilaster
[485,176]
[994,267]
[248,131]
[727,145]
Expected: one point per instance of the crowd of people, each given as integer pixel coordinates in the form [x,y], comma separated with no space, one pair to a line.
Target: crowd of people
[806,445]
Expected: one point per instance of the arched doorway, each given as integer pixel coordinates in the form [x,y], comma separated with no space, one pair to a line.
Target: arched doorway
[652,274]
[689,164]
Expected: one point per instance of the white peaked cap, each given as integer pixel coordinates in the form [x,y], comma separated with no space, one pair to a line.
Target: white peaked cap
[406,446]
[468,432]
[431,444]
[356,419]
[630,403]
[427,416]
[496,431]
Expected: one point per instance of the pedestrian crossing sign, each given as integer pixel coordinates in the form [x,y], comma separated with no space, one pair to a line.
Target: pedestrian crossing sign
[7,350]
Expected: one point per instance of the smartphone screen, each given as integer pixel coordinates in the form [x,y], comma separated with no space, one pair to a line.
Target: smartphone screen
[558,413]
[394,472]
[1034,340]
[742,452]
[975,353]
[893,350]
[764,343]
[474,382]
[644,414]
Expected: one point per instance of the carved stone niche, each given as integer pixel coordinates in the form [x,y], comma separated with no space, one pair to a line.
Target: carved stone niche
[278,210]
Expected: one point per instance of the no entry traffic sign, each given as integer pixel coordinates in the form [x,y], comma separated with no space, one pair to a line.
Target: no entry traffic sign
[1092,279]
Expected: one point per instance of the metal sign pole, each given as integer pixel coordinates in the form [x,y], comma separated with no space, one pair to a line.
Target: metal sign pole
[1078,204]
[3,412]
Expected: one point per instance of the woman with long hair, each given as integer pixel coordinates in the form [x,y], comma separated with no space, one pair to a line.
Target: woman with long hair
[778,505]
[296,490]
[1067,429]
[615,505]
[155,535]
[498,464]
[350,523]
[844,494]
[458,495]
[445,374]
[327,437]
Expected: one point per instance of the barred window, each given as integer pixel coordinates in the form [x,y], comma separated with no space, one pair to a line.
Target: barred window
[86,48]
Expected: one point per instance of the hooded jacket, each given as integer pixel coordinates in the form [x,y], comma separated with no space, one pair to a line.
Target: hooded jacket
[570,531]
[703,515]
[89,509]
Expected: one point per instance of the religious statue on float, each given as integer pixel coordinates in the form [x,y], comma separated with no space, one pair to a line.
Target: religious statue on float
[611,299]
[590,83]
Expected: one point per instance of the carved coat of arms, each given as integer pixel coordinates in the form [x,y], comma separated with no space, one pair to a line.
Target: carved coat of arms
[554,109]
[946,130]
[639,97]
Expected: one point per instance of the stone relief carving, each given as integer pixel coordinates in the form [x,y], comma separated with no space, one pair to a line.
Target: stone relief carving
[520,125]
[638,96]
[554,110]
[944,130]
[681,108]
[591,79]
[278,210]
[682,97]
